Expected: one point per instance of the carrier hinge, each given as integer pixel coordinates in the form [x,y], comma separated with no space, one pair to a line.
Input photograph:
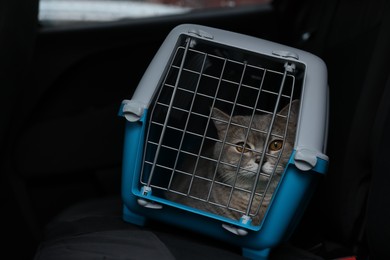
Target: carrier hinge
[235,230]
[290,67]
[146,191]
[245,219]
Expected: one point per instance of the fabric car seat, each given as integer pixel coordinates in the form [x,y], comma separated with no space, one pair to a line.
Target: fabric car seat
[350,215]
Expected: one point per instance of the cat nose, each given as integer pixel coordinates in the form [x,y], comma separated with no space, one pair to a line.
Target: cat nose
[257,159]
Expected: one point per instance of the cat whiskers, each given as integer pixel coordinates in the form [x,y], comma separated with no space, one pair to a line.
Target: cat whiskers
[269,168]
[248,172]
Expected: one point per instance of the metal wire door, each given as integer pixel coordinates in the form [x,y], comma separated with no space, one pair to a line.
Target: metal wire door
[202,76]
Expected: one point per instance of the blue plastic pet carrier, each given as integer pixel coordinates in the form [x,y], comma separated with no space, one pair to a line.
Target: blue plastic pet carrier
[171,123]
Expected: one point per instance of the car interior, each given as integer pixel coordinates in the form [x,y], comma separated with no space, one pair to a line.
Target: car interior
[62,139]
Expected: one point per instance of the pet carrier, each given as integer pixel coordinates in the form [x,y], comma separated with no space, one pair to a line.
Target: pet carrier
[225,135]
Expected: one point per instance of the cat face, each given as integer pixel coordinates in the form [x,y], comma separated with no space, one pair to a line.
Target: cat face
[243,153]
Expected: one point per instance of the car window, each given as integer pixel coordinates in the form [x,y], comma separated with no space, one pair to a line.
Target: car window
[60,12]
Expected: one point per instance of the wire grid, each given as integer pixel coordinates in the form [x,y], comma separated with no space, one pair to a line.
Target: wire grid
[180,122]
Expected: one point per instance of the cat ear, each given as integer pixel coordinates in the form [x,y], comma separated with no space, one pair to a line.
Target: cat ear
[220,115]
[294,112]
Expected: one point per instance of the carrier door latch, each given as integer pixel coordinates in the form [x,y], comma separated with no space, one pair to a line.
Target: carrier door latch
[305,159]
[132,110]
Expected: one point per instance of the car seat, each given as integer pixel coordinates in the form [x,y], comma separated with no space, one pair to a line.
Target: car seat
[351,211]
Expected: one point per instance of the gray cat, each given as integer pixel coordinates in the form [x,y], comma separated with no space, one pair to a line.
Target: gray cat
[218,186]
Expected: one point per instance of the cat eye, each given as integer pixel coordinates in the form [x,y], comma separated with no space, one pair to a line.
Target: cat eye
[240,147]
[275,145]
